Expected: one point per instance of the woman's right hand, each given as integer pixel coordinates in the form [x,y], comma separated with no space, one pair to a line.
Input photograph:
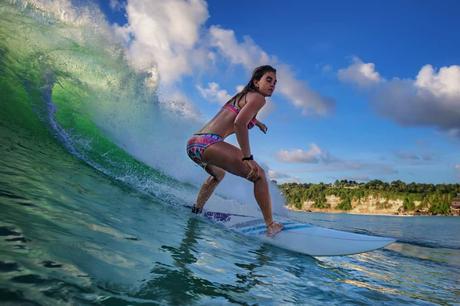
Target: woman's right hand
[253,169]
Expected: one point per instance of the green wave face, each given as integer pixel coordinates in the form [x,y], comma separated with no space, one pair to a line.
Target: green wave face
[71,82]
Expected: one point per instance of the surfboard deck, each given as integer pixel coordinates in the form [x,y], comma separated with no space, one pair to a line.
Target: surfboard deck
[301,237]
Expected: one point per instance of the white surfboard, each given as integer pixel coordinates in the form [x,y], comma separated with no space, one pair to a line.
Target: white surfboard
[301,237]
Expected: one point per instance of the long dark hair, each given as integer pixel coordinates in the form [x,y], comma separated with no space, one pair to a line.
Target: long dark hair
[257,74]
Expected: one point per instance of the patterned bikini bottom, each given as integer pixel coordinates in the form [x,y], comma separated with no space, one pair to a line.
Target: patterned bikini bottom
[198,143]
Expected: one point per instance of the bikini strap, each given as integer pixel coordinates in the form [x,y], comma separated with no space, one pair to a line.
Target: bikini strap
[235,103]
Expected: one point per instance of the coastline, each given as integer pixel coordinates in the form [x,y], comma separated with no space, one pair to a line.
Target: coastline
[374,198]
[368,213]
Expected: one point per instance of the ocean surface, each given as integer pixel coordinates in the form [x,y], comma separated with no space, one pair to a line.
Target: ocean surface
[93,179]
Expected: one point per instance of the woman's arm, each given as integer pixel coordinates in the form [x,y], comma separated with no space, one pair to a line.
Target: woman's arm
[254,103]
[261,126]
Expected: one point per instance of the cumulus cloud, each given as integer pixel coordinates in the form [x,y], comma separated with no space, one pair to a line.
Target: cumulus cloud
[313,155]
[360,74]
[249,55]
[444,84]
[165,35]
[171,37]
[214,93]
[246,53]
[168,40]
[300,94]
[431,99]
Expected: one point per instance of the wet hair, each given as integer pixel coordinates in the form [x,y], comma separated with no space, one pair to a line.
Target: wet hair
[257,74]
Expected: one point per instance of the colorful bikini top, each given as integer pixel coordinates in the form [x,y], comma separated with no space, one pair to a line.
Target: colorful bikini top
[232,106]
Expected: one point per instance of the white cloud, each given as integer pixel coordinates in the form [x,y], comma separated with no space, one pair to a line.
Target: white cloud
[268,108]
[275,175]
[214,93]
[314,155]
[249,55]
[176,102]
[431,99]
[445,84]
[168,40]
[165,35]
[360,74]
[300,95]
[457,167]
[246,53]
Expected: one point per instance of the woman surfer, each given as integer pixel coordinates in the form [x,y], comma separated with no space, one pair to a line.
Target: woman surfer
[208,149]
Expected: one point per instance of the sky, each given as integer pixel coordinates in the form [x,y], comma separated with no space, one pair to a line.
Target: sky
[366,89]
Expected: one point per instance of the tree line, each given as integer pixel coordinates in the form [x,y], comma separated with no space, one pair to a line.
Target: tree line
[435,199]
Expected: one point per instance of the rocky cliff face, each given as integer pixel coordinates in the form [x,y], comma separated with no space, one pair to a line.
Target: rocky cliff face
[368,205]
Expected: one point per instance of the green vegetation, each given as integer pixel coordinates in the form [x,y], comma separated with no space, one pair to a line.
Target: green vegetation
[416,198]
[345,204]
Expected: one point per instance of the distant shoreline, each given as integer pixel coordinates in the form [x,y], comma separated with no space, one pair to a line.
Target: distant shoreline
[374,198]
[334,211]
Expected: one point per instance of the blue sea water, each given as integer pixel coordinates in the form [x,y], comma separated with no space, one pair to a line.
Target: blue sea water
[87,218]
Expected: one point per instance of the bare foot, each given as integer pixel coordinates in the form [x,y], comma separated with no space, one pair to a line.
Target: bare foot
[274,228]
[197,210]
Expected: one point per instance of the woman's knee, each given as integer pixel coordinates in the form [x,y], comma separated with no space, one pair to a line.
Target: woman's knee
[260,175]
[219,176]
[216,174]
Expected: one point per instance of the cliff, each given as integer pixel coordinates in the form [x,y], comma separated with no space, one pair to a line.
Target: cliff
[368,206]
[375,197]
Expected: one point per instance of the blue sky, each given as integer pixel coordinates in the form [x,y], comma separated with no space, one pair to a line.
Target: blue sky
[367,89]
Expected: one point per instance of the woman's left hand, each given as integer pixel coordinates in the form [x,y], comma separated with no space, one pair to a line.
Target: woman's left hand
[253,169]
[263,128]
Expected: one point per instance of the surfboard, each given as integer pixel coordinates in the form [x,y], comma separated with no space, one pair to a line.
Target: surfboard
[300,237]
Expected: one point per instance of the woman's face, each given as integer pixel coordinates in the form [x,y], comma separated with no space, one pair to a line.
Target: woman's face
[266,85]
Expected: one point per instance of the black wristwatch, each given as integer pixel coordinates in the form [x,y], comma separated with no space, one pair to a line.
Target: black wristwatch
[248,158]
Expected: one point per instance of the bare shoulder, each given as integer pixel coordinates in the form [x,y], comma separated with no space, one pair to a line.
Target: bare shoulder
[254,97]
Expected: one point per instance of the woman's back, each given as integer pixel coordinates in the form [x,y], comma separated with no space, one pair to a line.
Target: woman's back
[223,122]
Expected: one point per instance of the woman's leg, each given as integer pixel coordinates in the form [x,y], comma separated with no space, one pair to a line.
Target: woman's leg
[215,177]
[228,158]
